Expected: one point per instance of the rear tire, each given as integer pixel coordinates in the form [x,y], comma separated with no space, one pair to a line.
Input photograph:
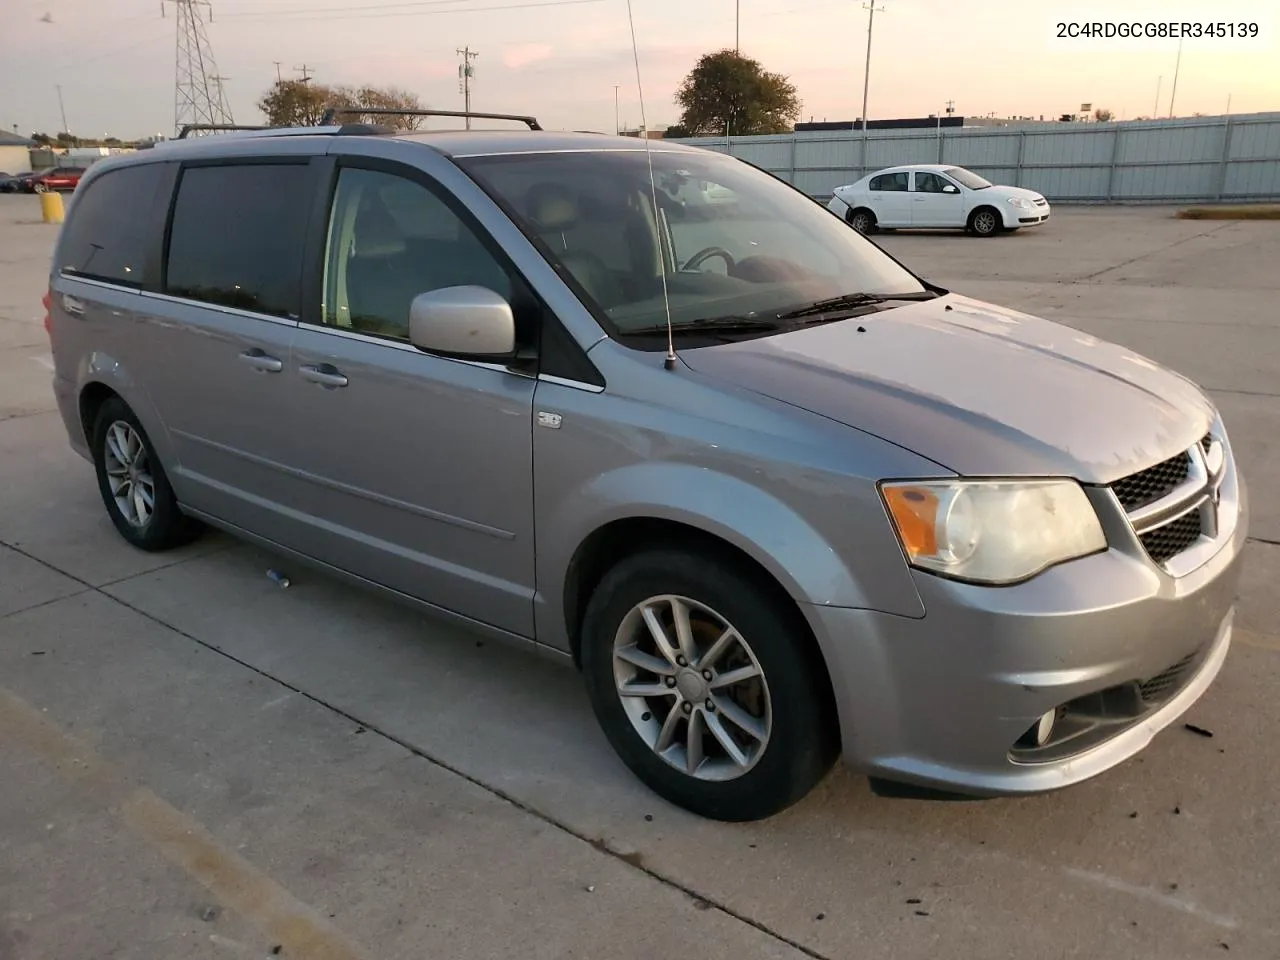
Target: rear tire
[670,728]
[134,487]
[861,219]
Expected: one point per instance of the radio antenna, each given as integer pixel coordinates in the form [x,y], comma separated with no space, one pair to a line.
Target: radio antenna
[670,362]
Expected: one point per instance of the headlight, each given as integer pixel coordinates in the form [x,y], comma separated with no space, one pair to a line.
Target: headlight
[992,531]
[1019,202]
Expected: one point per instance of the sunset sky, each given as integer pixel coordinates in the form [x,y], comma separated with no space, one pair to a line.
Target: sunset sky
[560,60]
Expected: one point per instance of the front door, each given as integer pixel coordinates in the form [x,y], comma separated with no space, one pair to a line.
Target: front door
[419,467]
[935,201]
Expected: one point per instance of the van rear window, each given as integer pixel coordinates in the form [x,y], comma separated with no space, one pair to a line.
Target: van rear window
[111,225]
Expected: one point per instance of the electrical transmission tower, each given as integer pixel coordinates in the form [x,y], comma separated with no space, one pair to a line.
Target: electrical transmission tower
[198,94]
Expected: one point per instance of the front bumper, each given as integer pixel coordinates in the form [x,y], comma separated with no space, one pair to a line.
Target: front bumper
[943,701]
[1015,217]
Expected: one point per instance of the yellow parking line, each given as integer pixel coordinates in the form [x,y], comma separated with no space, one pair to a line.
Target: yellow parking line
[1267,641]
[232,880]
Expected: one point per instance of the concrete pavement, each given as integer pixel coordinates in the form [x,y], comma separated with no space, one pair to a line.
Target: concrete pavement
[195,761]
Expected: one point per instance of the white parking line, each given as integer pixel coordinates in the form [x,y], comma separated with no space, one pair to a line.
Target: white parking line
[45,361]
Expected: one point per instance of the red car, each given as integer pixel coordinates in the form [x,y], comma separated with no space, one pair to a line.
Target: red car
[59,178]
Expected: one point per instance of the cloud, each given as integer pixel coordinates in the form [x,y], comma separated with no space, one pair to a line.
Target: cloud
[520,55]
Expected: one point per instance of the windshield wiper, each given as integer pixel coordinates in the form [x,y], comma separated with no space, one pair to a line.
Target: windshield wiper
[710,325]
[850,301]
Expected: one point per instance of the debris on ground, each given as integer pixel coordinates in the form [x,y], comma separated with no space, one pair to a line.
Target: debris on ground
[209,913]
[1200,730]
[913,899]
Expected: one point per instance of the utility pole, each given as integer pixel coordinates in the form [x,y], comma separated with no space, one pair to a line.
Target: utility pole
[63,108]
[465,74]
[737,26]
[1176,65]
[279,78]
[866,78]
[617,116]
[305,71]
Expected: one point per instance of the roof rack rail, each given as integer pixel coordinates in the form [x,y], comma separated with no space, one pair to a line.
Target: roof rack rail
[332,112]
[189,127]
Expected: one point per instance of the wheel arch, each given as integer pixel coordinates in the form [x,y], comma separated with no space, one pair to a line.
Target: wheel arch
[620,538]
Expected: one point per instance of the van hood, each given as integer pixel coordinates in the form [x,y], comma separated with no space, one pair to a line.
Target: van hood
[978,389]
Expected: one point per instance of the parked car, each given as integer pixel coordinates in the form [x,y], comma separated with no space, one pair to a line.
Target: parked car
[801,504]
[15,183]
[937,196]
[59,178]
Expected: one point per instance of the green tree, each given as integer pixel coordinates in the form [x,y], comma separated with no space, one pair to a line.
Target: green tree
[1103,115]
[298,103]
[727,92]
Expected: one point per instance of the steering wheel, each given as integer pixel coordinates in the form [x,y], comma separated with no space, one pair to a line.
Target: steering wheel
[699,258]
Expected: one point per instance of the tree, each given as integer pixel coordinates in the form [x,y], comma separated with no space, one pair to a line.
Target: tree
[299,103]
[1102,115]
[727,92]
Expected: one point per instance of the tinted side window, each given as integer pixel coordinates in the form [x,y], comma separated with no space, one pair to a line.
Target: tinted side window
[112,224]
[928,183]
[391,239]
[237,236]
[889,181]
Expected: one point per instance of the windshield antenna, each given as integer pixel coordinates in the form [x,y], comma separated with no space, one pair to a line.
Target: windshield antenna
[670,362]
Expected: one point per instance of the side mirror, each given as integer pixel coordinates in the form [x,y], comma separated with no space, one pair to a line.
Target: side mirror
[950,188]
[469,322]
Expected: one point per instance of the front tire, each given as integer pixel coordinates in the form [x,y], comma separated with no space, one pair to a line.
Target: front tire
[134,487]
[706,687]
[985,222]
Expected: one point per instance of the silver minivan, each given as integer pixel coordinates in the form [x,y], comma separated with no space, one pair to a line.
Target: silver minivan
[652,410]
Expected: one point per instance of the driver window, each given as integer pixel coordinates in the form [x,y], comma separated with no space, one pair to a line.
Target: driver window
[928,183]
[389,240]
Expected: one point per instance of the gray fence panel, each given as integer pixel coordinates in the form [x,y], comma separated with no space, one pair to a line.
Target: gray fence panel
[1183,160]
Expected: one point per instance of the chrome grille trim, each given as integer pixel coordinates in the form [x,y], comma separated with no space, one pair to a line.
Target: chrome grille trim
[1208,468]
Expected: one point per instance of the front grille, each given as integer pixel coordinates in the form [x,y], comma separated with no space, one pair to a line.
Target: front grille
[1166,684]
[1147,486]
[1171,539]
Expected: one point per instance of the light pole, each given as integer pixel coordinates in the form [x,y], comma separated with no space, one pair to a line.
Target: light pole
[1177,63]
[737,26]
[1155,111]
[866,77]
[617,117]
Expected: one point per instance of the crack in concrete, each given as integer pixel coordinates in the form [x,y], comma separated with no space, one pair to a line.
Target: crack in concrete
[1151,253]
[594,842]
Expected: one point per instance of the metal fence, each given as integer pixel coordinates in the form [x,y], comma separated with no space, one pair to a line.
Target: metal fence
[1198,159]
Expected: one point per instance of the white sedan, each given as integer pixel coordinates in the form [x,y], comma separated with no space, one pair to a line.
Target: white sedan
[934,195]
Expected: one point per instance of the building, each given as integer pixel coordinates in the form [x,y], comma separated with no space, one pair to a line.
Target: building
[15,153]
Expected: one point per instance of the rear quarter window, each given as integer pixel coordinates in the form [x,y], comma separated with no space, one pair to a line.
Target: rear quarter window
[237,236]
[112,226]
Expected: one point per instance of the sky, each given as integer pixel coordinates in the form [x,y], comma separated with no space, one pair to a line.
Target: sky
[560,59]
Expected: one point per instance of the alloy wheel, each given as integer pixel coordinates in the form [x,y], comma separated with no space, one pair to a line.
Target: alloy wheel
[692,688]
[133,488]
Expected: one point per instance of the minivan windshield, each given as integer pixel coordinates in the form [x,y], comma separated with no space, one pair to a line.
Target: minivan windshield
[740,248]
[967,177]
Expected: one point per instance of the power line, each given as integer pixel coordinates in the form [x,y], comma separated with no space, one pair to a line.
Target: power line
[258,17]
[367,8]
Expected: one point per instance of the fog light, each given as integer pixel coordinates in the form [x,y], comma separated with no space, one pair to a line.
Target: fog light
[1044,727]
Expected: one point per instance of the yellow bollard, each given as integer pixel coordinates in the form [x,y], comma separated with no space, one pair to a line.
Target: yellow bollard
[51,207]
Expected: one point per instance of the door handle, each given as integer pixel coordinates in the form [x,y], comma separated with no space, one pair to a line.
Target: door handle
[326,375]
[72,305]
[261,361]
